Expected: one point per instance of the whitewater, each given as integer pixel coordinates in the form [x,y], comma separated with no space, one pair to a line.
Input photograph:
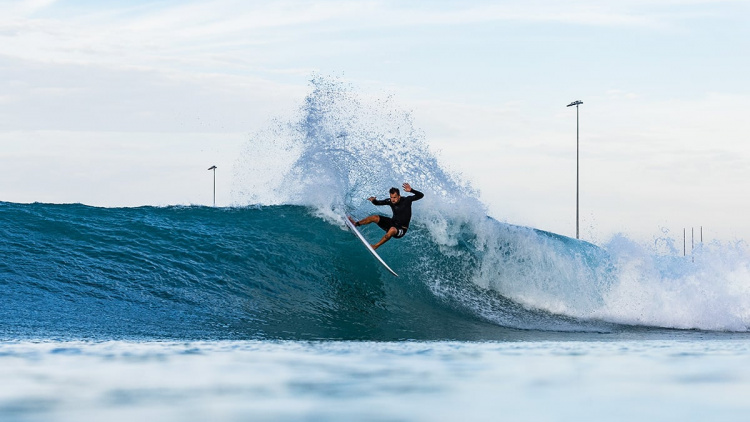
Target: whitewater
[272,310]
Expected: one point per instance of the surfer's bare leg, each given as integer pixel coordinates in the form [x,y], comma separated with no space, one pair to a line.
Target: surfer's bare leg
[368,220]
[388,235]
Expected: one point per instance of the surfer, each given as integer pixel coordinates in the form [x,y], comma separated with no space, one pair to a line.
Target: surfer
[401,207]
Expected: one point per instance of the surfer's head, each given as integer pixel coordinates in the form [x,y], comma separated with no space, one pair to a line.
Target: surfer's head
[395,195]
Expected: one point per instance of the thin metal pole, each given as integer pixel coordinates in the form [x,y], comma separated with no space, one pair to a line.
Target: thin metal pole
[214,169]
[577,103]
[577,133]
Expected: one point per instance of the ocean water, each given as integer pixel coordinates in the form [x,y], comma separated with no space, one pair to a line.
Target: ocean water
[672,380]
[271,310]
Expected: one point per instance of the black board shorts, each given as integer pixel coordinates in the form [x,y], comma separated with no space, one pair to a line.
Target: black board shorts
[386,223]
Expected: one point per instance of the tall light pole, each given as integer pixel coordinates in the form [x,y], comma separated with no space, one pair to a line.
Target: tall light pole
[214,169]
[576,103]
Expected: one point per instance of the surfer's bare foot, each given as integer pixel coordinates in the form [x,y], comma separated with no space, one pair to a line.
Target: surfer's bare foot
[355,222]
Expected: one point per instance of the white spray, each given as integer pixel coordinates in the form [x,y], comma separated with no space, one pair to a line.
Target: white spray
[343,147]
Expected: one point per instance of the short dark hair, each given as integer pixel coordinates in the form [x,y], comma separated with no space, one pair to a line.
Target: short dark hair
[394,190]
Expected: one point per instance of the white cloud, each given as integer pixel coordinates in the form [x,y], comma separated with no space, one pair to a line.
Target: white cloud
[24,8]
[147,34]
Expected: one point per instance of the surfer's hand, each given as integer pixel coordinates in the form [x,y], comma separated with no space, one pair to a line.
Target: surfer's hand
[372,198]
[407,187]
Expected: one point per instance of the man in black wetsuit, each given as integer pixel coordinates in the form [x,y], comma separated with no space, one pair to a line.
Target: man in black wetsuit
[401,206]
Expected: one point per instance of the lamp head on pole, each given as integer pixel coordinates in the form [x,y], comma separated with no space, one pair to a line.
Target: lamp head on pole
[212,168]
[575,103]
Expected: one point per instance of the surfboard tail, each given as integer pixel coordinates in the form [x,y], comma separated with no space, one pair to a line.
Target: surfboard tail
[350,224]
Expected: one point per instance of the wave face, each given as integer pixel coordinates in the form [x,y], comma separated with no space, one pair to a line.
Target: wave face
[282,265]
[269,272]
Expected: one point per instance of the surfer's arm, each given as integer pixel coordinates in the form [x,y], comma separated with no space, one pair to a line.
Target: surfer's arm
[379,201]
[417,195]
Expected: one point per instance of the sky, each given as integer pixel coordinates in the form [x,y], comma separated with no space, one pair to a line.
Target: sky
[128,103]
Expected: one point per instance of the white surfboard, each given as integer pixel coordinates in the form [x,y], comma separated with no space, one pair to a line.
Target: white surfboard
[367,245]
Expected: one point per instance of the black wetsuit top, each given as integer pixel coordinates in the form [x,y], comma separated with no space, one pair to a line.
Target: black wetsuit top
[401,210]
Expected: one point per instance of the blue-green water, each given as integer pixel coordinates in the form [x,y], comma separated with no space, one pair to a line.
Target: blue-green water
[282,272]
[274,272]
